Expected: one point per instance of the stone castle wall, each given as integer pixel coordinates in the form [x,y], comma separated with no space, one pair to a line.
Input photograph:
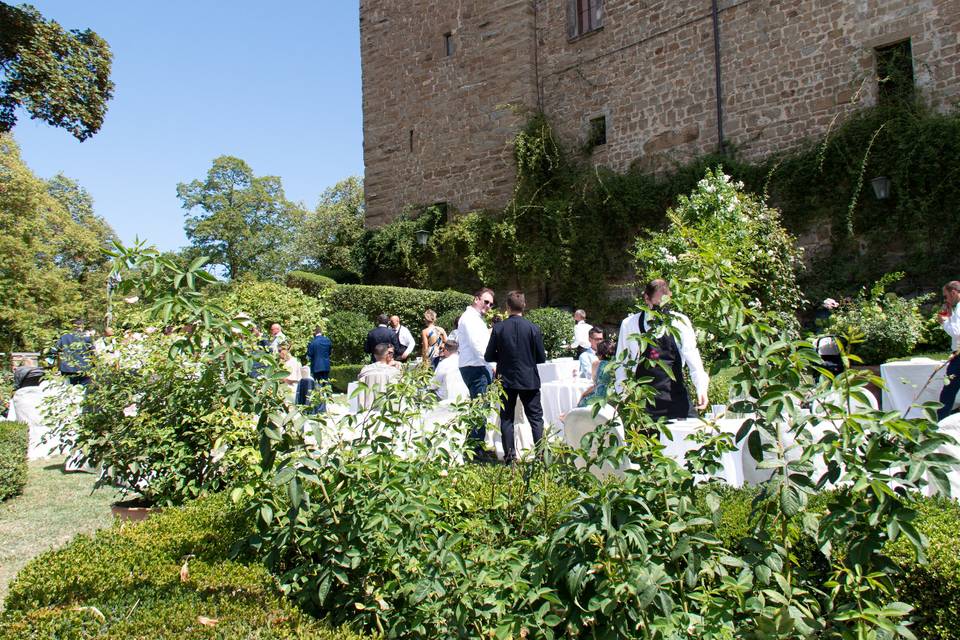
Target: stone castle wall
[789,68]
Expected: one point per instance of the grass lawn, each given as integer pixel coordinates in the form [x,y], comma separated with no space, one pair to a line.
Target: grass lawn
[54,507]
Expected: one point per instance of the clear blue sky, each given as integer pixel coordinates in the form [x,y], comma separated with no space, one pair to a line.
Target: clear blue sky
[276,84]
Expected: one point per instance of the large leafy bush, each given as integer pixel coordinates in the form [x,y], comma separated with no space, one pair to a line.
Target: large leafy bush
[268,302]
[888,325]
[14,438]
[370,301]
[556,326]
[719,227]
[347,331]
[312,284]
[158,424]
[169,577]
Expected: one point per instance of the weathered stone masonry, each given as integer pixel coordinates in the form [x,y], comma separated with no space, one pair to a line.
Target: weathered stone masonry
[445,82]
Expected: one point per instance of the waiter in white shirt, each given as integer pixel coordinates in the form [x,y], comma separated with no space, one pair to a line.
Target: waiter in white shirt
[404,337]
[949,317]
[473,335]
[581,332]
[671,400]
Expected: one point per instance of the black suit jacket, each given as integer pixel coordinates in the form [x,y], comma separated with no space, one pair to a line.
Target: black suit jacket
[382,334]
[516,345]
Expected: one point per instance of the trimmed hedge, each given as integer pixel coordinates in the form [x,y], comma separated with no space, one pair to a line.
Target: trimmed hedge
[556,326]
[347,331]
[370,301]
[14,440]
[311,284]
[127,582]
[343,374]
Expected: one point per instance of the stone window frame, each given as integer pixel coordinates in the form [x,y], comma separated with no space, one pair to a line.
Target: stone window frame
[574,24]
[880,58]
[603,119]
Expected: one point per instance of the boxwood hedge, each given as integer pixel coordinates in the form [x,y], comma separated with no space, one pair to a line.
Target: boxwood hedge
[370,301]
[14,439]
[168,577]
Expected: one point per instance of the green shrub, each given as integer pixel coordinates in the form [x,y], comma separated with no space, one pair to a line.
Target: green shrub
[888,325]
[343,374]
[126,582]
[312,284]
[370,301]
[14,441]
[347,331]
[267,302]
[448,319]
[556,326]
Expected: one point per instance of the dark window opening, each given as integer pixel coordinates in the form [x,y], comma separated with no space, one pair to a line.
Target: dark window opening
[411,140]
[448,47]
[894,73]
[584,16]
[598,131]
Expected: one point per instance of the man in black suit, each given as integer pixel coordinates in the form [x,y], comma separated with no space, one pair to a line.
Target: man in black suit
[516,345]
[382,334]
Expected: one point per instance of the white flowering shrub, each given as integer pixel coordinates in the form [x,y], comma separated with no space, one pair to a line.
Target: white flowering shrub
[720,227]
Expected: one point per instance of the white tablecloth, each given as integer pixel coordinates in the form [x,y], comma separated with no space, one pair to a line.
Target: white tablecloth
[559,369]
[904,380]
[560,397]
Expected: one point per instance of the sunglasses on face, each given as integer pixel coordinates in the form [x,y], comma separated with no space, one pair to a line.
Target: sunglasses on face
[488,303]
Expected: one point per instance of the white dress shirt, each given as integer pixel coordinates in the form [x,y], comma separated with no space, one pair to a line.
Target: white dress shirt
[473,337]
[448,381]
[687,343]
[406,341]
[952,327]
[581,335]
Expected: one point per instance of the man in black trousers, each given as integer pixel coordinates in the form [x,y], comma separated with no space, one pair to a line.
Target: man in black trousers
[379,334]
[516,345]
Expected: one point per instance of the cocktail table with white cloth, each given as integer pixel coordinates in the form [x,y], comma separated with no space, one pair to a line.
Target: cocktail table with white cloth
[904,382]
[560,396]
[558,369]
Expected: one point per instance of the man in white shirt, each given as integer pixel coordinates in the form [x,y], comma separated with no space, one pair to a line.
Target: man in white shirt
[581,332]
[589,355]
[473,335]
[671,400]
[276,337]
[949,317]
[404,337]
[447,379]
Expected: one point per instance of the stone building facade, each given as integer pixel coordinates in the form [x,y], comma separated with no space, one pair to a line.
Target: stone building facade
[447,83]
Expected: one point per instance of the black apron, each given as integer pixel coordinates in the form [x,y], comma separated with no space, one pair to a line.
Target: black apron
[672,400]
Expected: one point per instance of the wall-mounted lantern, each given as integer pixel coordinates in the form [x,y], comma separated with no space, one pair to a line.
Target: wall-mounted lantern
[422,237]
[881,187]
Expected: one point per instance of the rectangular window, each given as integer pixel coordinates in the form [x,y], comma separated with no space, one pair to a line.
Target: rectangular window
[411,140]
[598,131]
[583,16]
[448,46]
[894,73]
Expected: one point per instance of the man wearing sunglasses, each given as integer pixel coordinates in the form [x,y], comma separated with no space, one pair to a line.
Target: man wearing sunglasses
[472,334]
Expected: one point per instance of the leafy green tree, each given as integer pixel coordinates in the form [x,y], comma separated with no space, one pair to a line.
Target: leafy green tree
[50,259]
[60,77]
[244,222]
[333,231]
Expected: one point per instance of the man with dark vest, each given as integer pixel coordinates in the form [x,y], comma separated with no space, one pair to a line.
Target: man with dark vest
[671,400]
[73,355]
[382,334]
[516,345]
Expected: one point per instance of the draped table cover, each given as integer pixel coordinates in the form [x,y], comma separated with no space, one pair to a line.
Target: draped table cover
[560,396]
[904,384]
[558,369]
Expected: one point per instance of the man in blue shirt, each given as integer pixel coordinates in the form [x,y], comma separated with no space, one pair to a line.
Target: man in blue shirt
[318,352]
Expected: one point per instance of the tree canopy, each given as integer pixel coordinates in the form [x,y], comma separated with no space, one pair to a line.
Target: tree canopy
[61,77]
[333,231]
[243,223]
[51,266]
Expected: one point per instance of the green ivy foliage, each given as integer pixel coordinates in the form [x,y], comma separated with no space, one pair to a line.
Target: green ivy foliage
[14,439]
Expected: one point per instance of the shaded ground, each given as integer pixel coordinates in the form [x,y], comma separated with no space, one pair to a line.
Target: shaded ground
[54,507]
